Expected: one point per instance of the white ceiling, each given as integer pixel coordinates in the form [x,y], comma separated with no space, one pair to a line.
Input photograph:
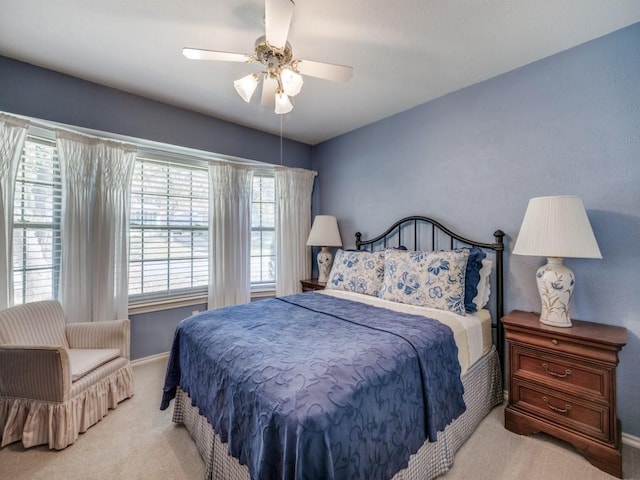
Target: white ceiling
[403,52]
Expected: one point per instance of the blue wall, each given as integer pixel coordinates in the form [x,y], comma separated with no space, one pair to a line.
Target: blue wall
[152,333]
[568,124]
[47,95]
[37,92]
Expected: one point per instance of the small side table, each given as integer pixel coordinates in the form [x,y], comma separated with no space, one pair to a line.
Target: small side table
[563,382]
[311,284]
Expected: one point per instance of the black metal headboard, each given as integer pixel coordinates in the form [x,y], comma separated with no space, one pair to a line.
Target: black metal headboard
[417,227]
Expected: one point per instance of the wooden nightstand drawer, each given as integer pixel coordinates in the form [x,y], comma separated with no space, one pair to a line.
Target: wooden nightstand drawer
[589,418]
[561,372]
[559,343]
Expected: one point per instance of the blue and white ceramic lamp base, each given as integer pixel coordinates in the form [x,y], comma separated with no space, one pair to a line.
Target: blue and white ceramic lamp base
[555,284]
[324,264]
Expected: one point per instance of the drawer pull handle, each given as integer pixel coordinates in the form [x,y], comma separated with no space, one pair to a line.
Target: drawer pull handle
[566,409]
[567,372]
[554,341]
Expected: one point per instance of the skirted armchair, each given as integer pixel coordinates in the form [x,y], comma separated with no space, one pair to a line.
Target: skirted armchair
[57,380]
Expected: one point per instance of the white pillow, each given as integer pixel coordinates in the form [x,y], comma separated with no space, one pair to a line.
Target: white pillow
[484,285]
[432,279]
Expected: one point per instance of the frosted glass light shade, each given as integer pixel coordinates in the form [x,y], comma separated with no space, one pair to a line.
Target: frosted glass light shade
[291,82]
[556,227]
[283,104]
[245,86]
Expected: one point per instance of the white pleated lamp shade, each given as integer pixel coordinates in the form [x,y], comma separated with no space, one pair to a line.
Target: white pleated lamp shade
[556,227]
[324,232]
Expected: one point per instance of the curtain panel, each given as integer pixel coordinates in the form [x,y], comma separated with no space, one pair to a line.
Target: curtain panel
[293,223]
[13,132]
[96,178]
[229,234]
[110,275]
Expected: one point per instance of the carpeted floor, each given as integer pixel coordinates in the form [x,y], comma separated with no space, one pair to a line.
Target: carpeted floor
[138,441]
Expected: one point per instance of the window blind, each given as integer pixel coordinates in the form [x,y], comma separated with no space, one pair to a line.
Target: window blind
[168,229]
[263,221]
[36,222]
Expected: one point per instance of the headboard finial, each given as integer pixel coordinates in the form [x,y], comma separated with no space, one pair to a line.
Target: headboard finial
[358,240]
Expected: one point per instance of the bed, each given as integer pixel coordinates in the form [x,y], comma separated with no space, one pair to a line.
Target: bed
[379,376]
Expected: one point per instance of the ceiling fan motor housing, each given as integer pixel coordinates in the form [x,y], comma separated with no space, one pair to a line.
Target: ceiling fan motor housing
[273,58]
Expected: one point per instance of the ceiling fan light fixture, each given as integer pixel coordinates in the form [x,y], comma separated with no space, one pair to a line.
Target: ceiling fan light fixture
[245,86]
[283,74]
[283,103]
[291,82]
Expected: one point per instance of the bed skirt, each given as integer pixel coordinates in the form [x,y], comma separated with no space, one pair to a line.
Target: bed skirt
[483,391]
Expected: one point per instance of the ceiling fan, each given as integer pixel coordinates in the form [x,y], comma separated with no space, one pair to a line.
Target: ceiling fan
[282,77]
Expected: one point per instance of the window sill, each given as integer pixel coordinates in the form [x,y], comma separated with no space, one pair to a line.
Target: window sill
[159,304]
[167,303]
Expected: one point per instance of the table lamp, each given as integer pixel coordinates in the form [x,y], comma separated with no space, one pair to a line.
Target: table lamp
[324,233]
[556,227]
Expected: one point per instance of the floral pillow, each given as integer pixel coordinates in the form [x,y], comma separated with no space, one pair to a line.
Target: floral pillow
[431,279]
[357,271]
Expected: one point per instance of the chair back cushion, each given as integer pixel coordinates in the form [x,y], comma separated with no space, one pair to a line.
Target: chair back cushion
[35,323]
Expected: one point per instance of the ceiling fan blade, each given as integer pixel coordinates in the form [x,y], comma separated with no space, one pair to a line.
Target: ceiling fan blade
[269,87]
[199,54]
[278,15]
[327,71]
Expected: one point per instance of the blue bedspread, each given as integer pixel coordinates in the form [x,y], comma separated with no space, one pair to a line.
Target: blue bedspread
[310,386]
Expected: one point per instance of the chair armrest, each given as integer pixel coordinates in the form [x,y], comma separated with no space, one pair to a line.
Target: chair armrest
[108,334]
[35,372]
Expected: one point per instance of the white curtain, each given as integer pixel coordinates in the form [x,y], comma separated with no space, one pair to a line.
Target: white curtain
[77,169]
[293,222]
[110,275]
[96,177]
[12,134]
[229,234]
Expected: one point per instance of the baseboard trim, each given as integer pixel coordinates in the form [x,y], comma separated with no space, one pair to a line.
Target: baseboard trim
[631,440]
[150,358]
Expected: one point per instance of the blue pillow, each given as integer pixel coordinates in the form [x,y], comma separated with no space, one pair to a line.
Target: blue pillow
[472,277]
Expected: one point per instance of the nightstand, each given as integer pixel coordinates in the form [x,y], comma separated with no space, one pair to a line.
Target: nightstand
[311,284]
[562,382]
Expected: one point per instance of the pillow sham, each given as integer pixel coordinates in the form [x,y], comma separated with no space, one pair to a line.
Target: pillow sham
[431,279]
[484,285]
[472,277]
[357,271]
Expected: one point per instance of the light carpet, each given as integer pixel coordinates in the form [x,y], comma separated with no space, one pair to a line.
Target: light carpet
[138,441]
